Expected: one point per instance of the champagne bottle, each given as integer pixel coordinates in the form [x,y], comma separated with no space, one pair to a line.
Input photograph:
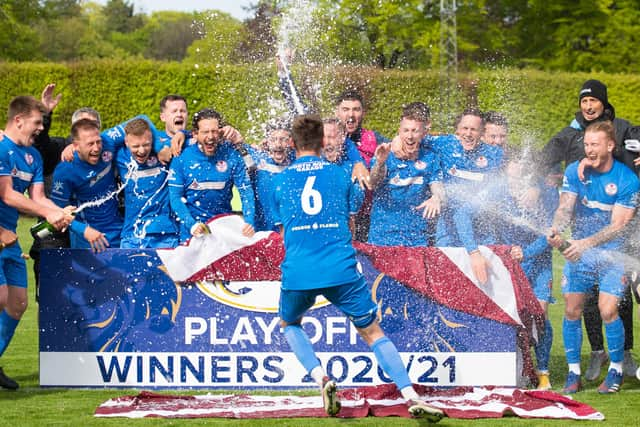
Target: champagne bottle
[564,246]
[43,229]
[246,157]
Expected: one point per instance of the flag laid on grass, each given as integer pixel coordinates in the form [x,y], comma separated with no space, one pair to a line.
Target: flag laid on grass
[379,401]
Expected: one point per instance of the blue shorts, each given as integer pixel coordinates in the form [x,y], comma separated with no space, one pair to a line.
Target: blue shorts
[353,299]
[594,267]
[150,241]
[13,269]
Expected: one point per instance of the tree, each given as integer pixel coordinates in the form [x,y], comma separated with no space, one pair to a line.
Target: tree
[18,40]
[169,35]
[220,35]
[120,17]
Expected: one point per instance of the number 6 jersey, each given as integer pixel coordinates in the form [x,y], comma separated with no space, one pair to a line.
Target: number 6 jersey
[313,200]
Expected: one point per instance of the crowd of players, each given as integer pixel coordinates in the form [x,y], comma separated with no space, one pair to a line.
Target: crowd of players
[467,189]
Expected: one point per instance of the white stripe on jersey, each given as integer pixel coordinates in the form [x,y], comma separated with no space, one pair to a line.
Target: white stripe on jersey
[24,176]
[405,182]
[212,185]
[145,173]
[99,176]
[469,176]
[268,167]
[594,204]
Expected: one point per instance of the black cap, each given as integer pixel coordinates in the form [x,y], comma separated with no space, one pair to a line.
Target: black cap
[596,89]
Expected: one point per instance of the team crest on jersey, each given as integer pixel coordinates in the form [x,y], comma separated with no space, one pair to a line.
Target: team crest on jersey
[194,185]
[14,171]
[152,161]
[420,165]
[107,156]
[482,162]
[453,171]
[253,296]
[221,166]
[611,189]
[28,158]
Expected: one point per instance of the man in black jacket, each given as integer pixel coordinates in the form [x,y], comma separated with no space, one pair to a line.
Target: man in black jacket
[568,146]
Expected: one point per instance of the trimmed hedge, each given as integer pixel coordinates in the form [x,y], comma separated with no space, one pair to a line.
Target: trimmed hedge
[537,104]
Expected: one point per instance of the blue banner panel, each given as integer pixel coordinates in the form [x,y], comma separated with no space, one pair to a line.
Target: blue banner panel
[116,319]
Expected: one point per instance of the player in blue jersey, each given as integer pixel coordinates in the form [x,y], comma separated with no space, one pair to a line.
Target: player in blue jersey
[174,115]
[407,185]
[470,168]
[600,208]
[201,178]
[314,200]
[90,178]
[334,144]
[496,129]
[273,158]
[20,171]
[148,222]
[518,225]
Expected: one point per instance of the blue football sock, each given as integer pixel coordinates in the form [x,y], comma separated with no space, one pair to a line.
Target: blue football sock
[390,361]
[614,332]
[301,346]
[7,327]
[572,337]
[543,348]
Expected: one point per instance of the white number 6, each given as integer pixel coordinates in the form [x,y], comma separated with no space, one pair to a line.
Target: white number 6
[311,199]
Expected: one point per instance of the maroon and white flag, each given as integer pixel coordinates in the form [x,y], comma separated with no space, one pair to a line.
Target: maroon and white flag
[380,401]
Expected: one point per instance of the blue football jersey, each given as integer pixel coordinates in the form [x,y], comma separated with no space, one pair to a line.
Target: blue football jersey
[24,166]
[200,187]
[394,219]
[313,201]
[469,176]
[146,196]
[597,196]
[78,182]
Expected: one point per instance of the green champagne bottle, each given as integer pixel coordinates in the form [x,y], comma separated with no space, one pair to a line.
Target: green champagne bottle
[43,229]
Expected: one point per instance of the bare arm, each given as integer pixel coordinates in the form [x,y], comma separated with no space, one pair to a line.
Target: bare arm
[620,217]
[54,215]
[564,213]
[379,170]
[36,193]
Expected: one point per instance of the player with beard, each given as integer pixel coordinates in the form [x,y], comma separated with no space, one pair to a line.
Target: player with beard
[201,178]
[568,146]
[599,209]
[406,182]
[89,177]
[276,155]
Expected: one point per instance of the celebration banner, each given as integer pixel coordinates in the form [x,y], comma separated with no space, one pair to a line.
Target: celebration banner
[118,319]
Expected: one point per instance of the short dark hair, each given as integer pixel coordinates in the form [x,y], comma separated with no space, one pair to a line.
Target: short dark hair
[418,111]
[308,132]
[495,118]
[205,113]
[137,127]
[603,126]
[169,98]
[83,124]
[24,105]
[468,112]
[350,95]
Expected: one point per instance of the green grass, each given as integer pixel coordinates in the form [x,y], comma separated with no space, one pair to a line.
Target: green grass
[34,406]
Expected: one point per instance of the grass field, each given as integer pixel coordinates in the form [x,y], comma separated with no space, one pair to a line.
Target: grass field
[33,406]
